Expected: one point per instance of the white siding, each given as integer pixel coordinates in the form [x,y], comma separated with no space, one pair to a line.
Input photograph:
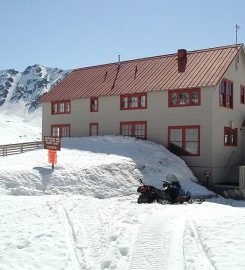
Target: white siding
[158,116]
[226,156]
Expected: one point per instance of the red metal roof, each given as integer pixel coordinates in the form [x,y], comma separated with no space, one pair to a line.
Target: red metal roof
[203,68]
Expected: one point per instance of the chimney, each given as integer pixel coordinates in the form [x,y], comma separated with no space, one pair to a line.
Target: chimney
[182,60]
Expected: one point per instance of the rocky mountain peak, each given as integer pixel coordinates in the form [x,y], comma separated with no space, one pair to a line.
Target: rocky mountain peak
[28,86]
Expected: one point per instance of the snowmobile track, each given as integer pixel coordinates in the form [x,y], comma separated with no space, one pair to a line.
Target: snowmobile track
[176,256]
[152,248]
[202,254]
[70,236]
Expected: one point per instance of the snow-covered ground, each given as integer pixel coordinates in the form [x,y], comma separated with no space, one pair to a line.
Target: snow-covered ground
[84,214]
[16,126]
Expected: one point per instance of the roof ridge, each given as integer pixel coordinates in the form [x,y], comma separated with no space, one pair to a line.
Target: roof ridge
[218,48]
[160,56]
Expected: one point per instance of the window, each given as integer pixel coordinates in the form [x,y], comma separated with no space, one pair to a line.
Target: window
[134,129]
[132,102]
[94,104]
[242,93]
[226,94]
[184,140]
[188,97]
[61,107]
[60,130]
[93,129]
[230,136]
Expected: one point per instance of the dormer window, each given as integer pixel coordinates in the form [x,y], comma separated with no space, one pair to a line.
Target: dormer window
[61,107]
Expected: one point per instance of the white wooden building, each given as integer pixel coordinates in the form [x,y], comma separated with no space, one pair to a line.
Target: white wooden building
[192,102]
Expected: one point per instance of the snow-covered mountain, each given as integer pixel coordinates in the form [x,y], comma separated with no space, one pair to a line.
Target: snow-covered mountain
[26,87]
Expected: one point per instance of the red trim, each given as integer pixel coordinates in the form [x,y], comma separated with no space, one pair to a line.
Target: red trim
[133,123]
[178,101]
[58,106]
[223,96]
[90,128]
[183,150]
[230,131]
[137,95]
[60,126]
[92,99]
[242,94]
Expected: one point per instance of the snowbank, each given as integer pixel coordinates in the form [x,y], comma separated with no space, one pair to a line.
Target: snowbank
[94,166]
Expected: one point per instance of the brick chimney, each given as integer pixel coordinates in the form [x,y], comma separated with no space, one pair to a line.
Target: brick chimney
[182,60]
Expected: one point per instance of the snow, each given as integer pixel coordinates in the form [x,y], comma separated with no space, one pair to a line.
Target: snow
[17,127]
[84,213]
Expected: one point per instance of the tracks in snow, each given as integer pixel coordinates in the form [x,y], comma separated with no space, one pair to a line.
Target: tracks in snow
[158,246]
[97,237]
[70,237]
[202,260]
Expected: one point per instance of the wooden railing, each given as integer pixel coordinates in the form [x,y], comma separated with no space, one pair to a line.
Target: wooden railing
[18,148]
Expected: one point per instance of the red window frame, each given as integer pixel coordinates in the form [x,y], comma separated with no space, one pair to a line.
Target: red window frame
[137,98]
[60,126]
[229,140]
[57,105]
[180,101]
[242,94]
[94,104]
[133,128]
[90,128]
[226,98]
[182,150]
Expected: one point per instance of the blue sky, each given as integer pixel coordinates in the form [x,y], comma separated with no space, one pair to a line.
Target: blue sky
[75,33]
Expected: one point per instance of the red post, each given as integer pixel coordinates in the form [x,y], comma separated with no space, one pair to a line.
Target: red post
[52,157]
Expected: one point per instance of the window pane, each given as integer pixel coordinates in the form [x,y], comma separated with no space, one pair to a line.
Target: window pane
[191,134]
[194,98]
[227,137]
[127,130]
[184,98]
[67,107]
[125,102]
[94,104]
[176,135]
[55,132]
[176,141]
[222,99]
[142,101]
[174,99]
[176,148]
[191,147]
[61,107]
[242,95]
[55,108]
[233,137]
[133,102]
[65,132]
[139,131]
[229,89]
[222,87]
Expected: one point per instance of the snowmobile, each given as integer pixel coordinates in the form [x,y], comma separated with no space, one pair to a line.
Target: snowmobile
[172,193]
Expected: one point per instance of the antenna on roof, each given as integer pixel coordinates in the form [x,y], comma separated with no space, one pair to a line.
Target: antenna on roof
[237,27]
[119,59]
